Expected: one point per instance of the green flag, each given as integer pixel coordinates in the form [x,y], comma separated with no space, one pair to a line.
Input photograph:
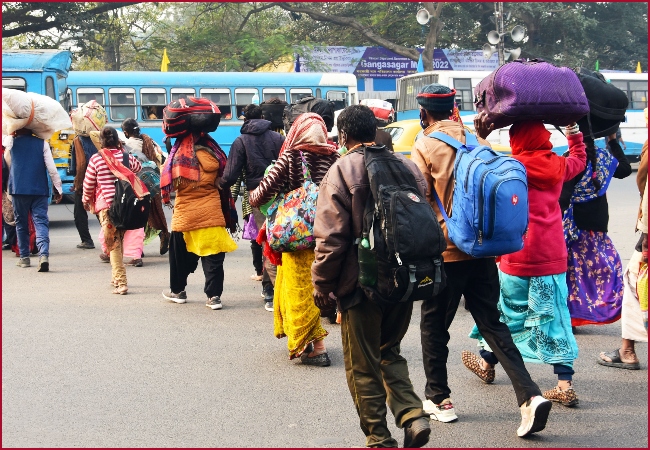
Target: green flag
[597,66]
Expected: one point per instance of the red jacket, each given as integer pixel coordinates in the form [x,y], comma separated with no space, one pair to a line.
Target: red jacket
[544,251]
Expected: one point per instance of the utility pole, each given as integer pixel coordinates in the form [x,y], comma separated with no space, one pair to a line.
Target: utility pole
[498,12]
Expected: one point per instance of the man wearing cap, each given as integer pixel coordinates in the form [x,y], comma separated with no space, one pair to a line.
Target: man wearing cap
[475,279]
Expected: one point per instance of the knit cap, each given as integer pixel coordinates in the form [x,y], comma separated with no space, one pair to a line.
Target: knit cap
[436,97]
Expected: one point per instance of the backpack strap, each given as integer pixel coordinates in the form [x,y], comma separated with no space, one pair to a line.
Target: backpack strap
[440,207]
[125,159]
[444,137]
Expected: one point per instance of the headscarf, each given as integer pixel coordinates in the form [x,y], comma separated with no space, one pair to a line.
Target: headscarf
[531,146]
[308,133]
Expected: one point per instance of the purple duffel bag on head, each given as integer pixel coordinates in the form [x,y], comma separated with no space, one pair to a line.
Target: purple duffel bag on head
[531,90]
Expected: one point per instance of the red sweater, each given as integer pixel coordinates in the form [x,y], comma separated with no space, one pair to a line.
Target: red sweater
[544,251]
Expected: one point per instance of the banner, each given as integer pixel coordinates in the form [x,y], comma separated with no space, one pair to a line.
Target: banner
[378,62]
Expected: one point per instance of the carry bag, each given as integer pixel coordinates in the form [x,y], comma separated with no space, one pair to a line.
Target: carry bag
[531,90]
[400,249]
[490,200]
[90,116]
[250,229]
[290,218]
[323,108]
[128,212]
[607,104]
[187,115]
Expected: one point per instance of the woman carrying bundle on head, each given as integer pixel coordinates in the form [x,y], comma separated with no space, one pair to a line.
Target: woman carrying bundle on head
[533,301]
[304,152]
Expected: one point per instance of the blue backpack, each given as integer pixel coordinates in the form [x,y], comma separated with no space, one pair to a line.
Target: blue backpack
[490,203]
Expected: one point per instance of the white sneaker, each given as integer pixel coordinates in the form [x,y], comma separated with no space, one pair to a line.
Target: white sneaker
[534,414]
[443,412]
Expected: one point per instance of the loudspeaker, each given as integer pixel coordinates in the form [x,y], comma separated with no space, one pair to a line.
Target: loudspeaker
[488,51]
[515,53]
[423,16]
[493,37]
[518,33]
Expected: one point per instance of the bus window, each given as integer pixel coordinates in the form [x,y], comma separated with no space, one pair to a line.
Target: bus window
[122,103]
[298,93]
[243,97]
[182,93]
[221,97]
[339,98]
[14,83]
[152,103]
[49,88]
[84,95]
[638,94]
[269,93]
[464,97]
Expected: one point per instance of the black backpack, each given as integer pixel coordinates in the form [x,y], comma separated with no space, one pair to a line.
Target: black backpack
[128,212]
[607,104]
[405,262]
[323,108]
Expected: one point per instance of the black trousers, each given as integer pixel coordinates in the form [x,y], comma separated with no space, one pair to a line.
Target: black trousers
[81,218]
[256,250]
[182,263]
[478,281]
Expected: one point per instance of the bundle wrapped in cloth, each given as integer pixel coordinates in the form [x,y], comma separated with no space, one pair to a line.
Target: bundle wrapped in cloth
[40,114]
[90,116]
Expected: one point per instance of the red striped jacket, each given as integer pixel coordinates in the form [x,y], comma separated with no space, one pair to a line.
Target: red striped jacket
[100,181]
[286,175]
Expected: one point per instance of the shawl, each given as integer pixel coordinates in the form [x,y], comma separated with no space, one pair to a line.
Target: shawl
[531,146]
[308,133]
[124,173]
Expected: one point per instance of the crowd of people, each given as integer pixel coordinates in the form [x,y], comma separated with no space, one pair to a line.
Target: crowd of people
[525,305]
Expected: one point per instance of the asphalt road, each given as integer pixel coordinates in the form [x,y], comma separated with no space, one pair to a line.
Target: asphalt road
[84,368]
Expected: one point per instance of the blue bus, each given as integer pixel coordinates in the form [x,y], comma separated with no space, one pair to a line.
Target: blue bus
[633,129]
[44,72]
[143,95]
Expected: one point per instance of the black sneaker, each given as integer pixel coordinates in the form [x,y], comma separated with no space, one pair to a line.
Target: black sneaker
[214,303]
[179,298]
[86,245]
[416,433]
[268,306]
[321,360]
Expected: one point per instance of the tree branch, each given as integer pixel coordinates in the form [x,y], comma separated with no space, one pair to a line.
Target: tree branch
[352,23]
[253,11]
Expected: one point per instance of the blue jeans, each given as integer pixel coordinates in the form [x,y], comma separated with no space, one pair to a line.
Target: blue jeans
[37,205]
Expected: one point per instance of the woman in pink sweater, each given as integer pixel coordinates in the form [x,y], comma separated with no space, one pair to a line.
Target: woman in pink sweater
[534,292]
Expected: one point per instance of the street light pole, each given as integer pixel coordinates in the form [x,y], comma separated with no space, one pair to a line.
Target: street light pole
[498,12]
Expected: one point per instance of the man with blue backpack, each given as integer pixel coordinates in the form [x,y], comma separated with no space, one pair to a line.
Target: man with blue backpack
[484,188]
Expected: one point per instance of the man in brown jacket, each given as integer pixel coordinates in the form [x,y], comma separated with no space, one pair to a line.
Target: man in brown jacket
[475,279]
[371,333]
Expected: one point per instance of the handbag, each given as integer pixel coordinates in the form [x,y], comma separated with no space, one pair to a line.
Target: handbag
[290,220]
[531,90]
[250,229]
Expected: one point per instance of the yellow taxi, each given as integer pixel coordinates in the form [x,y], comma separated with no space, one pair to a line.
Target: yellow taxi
[406,132]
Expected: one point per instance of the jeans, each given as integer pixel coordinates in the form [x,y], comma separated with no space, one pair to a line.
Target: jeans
[478,281]
[182,263]
[37,206]
[81,218]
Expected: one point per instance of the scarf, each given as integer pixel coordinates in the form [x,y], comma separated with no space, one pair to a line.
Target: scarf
[531,146]
[182,167]
[124,173]
[308,133]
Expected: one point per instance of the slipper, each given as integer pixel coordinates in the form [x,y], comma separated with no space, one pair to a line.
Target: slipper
[615,356]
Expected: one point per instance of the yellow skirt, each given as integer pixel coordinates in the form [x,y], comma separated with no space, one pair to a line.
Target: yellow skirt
[295,315]
[209,241]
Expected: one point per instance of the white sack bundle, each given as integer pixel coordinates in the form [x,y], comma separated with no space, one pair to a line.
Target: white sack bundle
[40,114]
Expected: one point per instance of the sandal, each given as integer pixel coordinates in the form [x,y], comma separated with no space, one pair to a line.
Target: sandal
[473,363]
[616,361]
[121,290]
[566,397]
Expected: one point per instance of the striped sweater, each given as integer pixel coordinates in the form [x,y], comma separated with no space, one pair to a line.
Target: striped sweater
[100,181]
[286,175]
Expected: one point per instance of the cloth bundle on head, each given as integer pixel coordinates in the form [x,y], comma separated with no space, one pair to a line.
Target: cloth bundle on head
[531,146]
[436,97]
[308,133]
